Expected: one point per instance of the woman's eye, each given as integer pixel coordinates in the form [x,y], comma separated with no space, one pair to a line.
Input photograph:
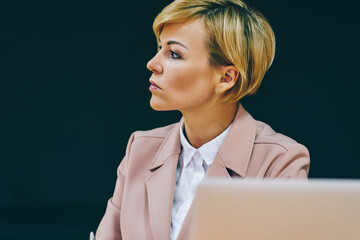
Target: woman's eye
[174,55]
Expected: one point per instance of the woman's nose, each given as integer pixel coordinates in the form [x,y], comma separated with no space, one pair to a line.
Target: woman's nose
[154,65]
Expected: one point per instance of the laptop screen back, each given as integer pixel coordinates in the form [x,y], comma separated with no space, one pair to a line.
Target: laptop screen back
[277,209]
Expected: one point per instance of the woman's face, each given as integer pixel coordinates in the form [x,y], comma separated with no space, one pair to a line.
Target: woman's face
[182,77]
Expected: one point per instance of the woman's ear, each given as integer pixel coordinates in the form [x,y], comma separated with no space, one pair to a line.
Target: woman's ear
[229,76]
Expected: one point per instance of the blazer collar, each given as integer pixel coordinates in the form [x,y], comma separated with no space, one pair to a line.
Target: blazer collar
[236,150]
[170,146]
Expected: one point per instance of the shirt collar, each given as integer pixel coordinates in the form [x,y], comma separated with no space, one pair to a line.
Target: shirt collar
[207,151]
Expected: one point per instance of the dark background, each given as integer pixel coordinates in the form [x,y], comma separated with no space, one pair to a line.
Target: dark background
[74,86]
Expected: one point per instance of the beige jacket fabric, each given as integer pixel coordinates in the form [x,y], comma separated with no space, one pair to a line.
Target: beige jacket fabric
[141,206]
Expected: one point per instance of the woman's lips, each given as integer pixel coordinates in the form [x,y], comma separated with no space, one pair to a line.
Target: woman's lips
[153,86]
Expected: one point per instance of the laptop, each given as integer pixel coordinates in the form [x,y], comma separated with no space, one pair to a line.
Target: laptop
[277,210]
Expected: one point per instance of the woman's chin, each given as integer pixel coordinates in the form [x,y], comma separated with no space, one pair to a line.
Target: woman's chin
[158,106]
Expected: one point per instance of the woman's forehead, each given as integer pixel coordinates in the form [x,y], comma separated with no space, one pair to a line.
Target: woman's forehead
[190,33]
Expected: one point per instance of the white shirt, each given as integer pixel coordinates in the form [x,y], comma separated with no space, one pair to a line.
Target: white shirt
[192,167]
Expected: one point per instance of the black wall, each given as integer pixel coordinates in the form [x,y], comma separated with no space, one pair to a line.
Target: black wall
[74,86]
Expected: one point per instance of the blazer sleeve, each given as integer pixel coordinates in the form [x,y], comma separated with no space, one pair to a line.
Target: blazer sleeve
[293,163]
[109,227]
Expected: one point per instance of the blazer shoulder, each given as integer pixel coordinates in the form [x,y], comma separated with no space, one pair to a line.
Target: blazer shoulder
[281,155]
[266,135]
[160,132]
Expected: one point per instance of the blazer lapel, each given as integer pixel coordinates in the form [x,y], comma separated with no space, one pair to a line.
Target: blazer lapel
[160,185]
[232,159]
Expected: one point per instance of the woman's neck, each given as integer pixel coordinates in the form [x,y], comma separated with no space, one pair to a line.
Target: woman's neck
[203,125]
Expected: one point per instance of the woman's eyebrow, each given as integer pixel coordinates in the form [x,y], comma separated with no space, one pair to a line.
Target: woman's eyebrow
[174,42]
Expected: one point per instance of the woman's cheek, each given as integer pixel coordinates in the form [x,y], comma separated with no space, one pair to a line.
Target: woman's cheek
[182,80]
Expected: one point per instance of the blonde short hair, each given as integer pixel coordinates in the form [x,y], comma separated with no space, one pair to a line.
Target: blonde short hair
[237,35]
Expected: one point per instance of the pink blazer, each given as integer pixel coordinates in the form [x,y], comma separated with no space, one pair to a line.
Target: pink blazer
[141,206]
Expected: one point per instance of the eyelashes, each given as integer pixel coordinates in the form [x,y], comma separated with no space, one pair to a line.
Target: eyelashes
[172,54]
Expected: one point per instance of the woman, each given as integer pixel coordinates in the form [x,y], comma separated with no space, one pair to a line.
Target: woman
[211,54]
